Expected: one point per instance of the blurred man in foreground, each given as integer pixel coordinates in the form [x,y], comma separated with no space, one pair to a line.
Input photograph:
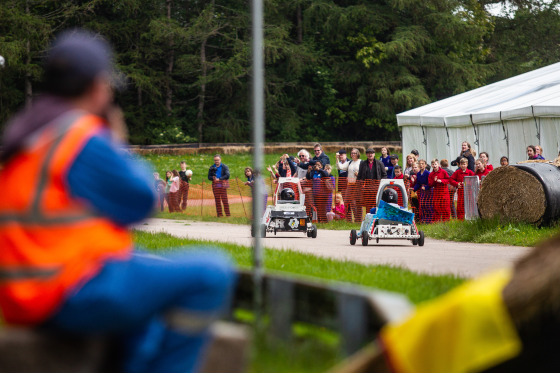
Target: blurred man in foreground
[69,193]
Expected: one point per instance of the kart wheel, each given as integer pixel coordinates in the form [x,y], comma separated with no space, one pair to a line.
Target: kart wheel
[263,231]
[314,232]
[421,238]
[365,238]
[414,241]
[377,240]
[309,233]
[252,231]
[353,237]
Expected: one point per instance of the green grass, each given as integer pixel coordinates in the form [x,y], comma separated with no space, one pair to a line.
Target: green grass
[313,349]
[489,231]
[417,287]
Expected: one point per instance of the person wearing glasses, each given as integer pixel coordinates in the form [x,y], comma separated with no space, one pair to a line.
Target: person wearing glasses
[320,155]
[302,162]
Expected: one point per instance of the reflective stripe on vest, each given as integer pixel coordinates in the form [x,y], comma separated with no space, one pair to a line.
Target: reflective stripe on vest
[50,242]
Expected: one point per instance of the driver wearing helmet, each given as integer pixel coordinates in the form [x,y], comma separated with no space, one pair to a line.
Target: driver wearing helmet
[390,196]
[287,194]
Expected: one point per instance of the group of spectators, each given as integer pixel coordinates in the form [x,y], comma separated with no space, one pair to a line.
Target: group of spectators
[432,187]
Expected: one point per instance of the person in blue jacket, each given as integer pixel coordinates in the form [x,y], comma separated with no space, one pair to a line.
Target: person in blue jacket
[219,175]
[422,187]
[157,307]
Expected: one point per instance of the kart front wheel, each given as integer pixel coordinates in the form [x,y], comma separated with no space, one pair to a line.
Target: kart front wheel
[314,232]
[353,237]
[365,238]
[421,238]
[263,231]
[414,241]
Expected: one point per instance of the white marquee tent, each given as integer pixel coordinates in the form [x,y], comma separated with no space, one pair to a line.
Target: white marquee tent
[502,119]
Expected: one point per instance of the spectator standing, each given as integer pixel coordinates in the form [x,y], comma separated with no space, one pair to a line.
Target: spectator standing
[318,176]
[457,180]
[438,180]
[444,164]
[410,160]
[159,186]
[532,153]
[485,157]
[385,158]
[397,170]
[370,172]
[412,183]
[168,184]
[468,153]
[341,161]
[320,155]
[286,166]
[219,175]
[72,253]
[504,161]
[251,182]
[184,187]
[302,162]
[422,189]
[539,151]
[480,169]
[353,192]
[174,197]
[394,160]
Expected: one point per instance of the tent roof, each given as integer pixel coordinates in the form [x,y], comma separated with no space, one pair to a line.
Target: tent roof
[536,93]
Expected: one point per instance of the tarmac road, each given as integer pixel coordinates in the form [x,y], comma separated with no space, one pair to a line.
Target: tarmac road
[435,257]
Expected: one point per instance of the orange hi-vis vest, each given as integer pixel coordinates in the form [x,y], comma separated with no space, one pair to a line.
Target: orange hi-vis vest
[50,242]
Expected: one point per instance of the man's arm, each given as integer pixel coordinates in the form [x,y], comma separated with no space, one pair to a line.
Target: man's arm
[115,185]
[225,173]
[211,173]
[383,171]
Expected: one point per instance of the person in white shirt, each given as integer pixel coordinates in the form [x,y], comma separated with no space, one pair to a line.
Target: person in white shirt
[352,193]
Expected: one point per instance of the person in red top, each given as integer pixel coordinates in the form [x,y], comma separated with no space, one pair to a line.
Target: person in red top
[457,180]
[398,172]
[439,179]
[339,210]
[480,169]
[484,156]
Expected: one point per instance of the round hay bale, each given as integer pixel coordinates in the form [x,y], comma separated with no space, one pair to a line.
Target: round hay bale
[512,194]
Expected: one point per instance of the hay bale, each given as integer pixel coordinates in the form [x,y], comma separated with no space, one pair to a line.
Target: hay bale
[512,194]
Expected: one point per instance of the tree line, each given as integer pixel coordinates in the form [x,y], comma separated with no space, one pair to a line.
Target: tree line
[335,69]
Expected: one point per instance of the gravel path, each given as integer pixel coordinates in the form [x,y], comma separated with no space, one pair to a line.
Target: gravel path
[435,257]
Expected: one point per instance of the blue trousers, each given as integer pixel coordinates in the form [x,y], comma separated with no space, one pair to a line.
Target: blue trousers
[142,301]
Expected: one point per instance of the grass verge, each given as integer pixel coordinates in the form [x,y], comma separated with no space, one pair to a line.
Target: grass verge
[489,231]
[313,349]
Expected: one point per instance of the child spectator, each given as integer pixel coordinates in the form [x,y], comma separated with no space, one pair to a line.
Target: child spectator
[184,185]
[410,160]
[286,166]
[412,182]
[480,170]
[484,156]
[385,158]
[539,151]
[422,188]
[457,180]
[397,170]
[250,178]
[439,179]
[394,160]
[339,210]
[466,152]
[328,185]
[504,161]
[444,164]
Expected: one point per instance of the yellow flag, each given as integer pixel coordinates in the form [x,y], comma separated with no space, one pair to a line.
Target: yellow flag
[467,330]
